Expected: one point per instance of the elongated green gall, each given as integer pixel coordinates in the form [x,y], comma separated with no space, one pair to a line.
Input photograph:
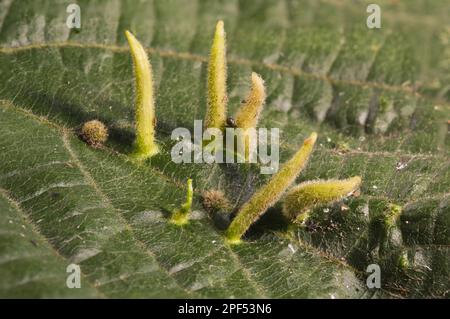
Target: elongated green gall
[248,115]
[217,81]
[270,193]
[180,216]
[305,196]
[144,145]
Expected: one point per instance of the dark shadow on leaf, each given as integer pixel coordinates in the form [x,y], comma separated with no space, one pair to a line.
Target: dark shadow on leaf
[271,221]
[166,212]
[120,138]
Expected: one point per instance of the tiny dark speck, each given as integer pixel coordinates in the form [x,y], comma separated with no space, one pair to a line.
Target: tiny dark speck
[413,123]
[231,122]
[55,195]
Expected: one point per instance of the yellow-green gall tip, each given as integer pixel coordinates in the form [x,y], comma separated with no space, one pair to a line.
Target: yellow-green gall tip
[258,83]
[135,45]
[248,114]
[258,91]
[129,35]
[306,196]
[220,30]
[311,140]
[94,133]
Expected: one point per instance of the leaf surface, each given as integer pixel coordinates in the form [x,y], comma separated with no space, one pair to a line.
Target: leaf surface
[378,98]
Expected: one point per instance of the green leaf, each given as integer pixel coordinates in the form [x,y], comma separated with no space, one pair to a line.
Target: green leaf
[378,98]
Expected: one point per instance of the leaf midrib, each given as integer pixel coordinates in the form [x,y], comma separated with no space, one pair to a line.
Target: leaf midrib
[294,71]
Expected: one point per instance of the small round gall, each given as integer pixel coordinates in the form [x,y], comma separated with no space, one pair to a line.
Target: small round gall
[94,133]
